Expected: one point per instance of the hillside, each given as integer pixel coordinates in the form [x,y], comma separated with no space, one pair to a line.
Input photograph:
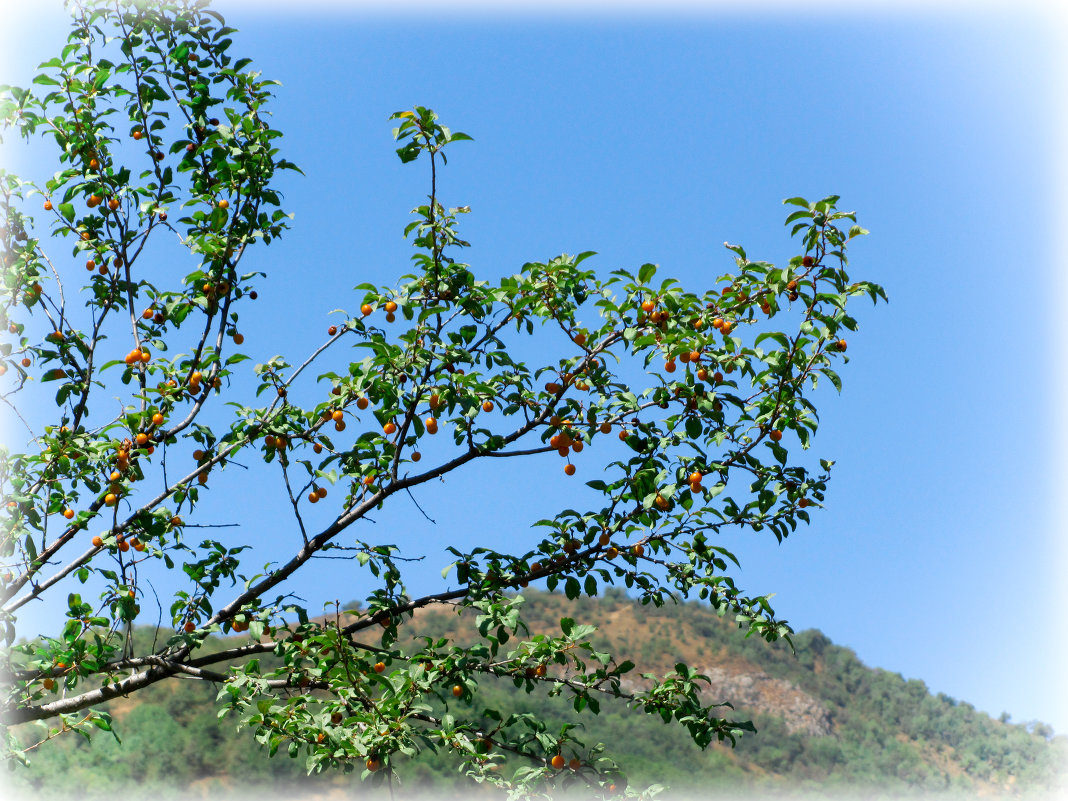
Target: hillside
[824,721]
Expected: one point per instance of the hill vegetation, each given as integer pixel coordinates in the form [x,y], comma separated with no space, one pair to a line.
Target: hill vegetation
[824,720]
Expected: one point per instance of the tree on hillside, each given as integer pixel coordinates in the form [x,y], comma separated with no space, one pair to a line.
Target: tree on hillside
[690,408]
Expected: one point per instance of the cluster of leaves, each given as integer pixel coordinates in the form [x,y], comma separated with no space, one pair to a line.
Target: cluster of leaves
[688,452]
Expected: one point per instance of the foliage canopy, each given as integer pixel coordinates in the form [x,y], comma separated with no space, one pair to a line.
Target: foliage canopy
[693,406]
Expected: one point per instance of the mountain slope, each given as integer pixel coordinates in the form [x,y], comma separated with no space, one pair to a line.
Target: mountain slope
[824,721]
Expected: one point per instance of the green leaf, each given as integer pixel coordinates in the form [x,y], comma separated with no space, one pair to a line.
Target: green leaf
[571,588]
[693,427]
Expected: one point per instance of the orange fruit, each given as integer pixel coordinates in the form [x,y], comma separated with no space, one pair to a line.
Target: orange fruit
[702,374]
[366,309]
[176,521]
[416,456]
[331,330]
[841,345]
[113,203]
[142,439]
[111,499]
[97,541]
[48,683]
[189,627]
[574,764]
[648,306]
[313,498]
[48,205]
[558,761]
[321,492]
[379,667]
[224,204]
[390,428]
[373,764]
[239,338]
[391,306]
[457,690]
[569,469]
[606,427]
[487,406]
[431,425]
[775,435]
[338,415]
[695,477]
[361,403]
[669,367]
[68,513]
[604,539]
[157,419]
[90,265]
[638,550]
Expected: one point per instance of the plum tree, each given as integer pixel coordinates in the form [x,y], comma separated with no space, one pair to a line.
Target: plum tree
[159,130]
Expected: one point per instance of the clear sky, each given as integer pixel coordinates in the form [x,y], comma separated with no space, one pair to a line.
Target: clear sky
[658,137]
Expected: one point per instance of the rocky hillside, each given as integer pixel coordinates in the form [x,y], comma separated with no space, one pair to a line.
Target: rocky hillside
[825,722]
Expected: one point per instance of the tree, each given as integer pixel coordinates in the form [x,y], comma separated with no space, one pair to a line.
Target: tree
[693,405]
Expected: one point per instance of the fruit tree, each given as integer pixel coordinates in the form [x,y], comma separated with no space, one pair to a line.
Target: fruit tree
[133,397]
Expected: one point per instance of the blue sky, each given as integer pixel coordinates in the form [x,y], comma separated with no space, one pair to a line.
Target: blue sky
[658,138]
